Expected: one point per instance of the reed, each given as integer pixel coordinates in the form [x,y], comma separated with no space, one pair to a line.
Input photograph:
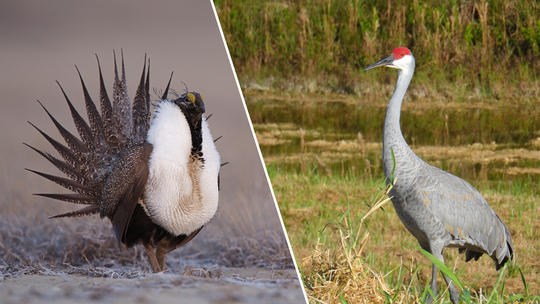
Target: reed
[323,44]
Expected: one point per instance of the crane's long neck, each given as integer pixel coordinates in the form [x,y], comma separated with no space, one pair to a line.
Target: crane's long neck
[393,139]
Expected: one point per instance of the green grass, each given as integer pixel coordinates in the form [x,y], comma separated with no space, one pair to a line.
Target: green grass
[323,171]
[313,205]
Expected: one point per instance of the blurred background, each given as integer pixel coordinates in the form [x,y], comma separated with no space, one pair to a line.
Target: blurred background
[40,43]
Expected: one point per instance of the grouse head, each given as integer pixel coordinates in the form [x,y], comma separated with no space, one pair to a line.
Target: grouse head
[192,105]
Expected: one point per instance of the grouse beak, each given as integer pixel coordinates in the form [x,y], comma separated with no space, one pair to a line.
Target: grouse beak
[383,62]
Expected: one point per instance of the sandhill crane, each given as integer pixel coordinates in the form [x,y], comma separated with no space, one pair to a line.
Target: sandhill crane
[438,208]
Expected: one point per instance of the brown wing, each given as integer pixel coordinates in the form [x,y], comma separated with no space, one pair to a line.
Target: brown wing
[125,186]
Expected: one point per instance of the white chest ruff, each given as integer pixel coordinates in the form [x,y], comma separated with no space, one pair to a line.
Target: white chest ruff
[181,194]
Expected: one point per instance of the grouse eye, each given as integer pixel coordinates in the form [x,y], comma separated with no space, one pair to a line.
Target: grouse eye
[191,97]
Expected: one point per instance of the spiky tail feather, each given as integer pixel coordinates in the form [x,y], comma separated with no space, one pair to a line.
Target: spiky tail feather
[88,158]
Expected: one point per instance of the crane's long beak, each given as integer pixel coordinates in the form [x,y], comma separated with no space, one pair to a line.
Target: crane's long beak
[383,62]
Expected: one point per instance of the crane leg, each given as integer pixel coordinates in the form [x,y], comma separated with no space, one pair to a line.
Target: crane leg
[433,286]
[454,294]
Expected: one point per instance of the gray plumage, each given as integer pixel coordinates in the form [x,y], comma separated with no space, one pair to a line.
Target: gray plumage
[439,209]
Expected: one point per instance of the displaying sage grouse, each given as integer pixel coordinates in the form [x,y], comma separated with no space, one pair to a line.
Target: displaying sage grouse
[156,178]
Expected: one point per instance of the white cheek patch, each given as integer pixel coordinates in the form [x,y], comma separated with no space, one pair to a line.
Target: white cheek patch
[402,63]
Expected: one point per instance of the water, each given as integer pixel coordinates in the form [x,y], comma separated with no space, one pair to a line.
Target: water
[484,142]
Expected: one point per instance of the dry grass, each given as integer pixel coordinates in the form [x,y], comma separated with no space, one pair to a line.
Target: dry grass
[340,273]
[347,149]
[311,202]
[424,94]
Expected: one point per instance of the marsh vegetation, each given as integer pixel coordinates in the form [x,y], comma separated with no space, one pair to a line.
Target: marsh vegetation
[491,46]
[323,154]
[472,109]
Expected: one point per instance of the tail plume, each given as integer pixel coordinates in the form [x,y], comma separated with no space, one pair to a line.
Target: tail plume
[86,159]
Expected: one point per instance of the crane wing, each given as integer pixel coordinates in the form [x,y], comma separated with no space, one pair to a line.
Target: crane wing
[465,214]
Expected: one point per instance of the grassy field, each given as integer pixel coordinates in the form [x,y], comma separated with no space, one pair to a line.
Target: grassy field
[323,157]
[314,207]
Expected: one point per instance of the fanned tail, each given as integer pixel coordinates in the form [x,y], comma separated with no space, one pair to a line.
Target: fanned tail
[141,108]
[121,105]
[87,159]
[166,92]
[75,198]
[65,182]
[96,123]
[76,145]
[106,111]
[64,151]
[80,124]
[61,165]
[89,210]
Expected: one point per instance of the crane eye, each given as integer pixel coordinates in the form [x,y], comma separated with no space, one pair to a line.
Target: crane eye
[191,97]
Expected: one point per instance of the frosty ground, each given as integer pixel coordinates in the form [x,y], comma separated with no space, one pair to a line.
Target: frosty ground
[194,285]
[75,261]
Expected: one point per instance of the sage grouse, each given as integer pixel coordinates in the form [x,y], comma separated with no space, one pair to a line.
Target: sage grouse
[156,178]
